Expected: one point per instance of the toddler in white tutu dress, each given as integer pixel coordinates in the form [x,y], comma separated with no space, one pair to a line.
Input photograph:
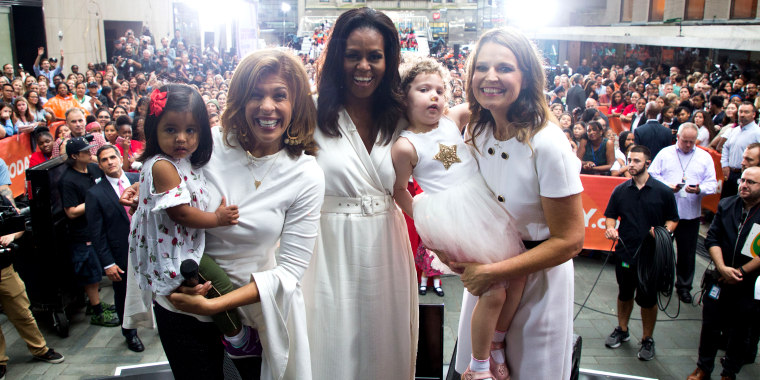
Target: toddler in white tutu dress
[457,213]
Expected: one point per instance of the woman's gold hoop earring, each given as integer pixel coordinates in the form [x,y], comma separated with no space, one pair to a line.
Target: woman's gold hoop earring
[290,140]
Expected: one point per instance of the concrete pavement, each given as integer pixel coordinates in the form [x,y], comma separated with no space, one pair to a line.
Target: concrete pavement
[93,351]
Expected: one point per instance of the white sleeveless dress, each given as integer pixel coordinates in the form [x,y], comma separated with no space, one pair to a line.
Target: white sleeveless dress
[457,213]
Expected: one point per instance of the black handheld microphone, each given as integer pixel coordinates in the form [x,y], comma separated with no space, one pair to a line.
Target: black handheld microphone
[189,270]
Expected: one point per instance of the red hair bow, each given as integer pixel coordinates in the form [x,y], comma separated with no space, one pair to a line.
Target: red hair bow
[157,102]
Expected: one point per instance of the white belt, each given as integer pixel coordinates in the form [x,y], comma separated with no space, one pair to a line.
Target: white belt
[364,205]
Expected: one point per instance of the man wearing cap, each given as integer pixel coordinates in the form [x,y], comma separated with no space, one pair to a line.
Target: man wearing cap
[118,50]
[98,100]
[46,69]
[80,176]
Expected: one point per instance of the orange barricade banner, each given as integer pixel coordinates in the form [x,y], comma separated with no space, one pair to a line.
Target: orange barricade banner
[16,151]
[596,194]
[710,202]
[616,124]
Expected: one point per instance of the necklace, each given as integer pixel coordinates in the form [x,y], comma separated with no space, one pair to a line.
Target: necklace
[683,169]
[251,160]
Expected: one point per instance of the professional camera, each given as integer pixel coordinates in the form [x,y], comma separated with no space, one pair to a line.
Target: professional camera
[12,221]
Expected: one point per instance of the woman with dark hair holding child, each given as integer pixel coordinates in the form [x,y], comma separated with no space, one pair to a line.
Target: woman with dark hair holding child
[262,162]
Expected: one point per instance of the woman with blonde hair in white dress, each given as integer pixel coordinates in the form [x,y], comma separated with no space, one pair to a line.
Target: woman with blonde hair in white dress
[527,162]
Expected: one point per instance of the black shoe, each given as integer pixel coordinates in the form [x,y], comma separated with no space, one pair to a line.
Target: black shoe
[50,356]
[438,291]
[3,369]
[135,344]
[685,296]
[423,290]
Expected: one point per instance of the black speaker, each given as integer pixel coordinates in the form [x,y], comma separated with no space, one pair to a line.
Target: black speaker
[430,343]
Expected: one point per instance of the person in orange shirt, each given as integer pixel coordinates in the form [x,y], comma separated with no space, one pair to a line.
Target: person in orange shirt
[62,101]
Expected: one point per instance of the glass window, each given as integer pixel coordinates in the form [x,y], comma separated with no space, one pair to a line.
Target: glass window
[743,8]
[626,11]
[656,10]
[695,10]
[436,1]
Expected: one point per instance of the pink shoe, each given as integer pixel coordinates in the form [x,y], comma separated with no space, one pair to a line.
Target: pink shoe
[470,375]
[500,370]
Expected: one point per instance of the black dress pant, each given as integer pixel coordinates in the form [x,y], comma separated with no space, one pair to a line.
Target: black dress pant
[119,294]
[732,312]
[731,185]
[194,348]
[686,245]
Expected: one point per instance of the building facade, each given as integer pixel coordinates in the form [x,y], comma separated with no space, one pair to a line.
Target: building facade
[456,21]
[675,31]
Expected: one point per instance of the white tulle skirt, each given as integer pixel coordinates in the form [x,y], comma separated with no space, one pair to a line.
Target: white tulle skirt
[467,223]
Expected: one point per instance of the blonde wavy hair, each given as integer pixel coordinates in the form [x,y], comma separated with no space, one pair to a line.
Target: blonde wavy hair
[413,65]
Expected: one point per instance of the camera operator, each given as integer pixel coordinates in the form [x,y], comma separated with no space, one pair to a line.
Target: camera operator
[118,50]
[128,63]
[729,303]
[13,292]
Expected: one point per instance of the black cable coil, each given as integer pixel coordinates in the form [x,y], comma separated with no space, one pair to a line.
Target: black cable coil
[657,271]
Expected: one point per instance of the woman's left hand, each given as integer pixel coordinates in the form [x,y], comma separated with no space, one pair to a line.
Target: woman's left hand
[195,304]
[192,300]
[475,277]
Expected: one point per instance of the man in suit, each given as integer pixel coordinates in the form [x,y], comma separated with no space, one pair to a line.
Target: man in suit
[576,97]
[652,134]
[108,223]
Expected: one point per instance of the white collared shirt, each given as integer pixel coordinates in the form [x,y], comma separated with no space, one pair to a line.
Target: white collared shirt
[671,165]
[115,182]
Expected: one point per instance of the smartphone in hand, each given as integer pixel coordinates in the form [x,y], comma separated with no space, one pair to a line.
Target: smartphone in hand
[679,186]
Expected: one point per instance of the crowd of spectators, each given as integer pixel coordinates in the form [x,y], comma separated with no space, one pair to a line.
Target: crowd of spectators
[112,96]
[113,99]
[623,93]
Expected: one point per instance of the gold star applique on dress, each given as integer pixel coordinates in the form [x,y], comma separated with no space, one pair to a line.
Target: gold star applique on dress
[447,155]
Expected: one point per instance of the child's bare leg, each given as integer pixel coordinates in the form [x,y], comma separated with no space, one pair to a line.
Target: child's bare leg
[509,307]
[485,317]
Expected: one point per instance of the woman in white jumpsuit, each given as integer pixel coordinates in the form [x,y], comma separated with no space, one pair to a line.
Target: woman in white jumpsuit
[360,287]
